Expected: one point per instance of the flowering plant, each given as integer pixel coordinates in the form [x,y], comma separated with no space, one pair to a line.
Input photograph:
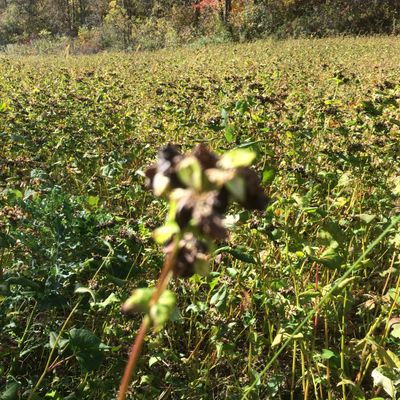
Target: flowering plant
[199,187]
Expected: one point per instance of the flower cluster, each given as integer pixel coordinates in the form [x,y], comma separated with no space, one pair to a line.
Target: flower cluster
[200,186]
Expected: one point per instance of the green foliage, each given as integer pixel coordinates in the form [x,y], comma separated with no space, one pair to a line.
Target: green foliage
[76,135]
[10,392]
[86,348]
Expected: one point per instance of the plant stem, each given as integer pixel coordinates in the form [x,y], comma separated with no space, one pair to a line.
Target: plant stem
[58,363]
[343,344]
[54,349]
[293,378]
[137,345]
[322,302]
[133,357]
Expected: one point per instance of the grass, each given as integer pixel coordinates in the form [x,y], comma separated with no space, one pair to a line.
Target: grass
[77,133]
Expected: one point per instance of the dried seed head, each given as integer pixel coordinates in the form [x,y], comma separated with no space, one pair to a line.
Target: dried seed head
[207,158]
[150,174]
[184,211]
[221,201]
[207,217]
[255,198]
[169,153]
[201,185]
[191,253]
[162,177]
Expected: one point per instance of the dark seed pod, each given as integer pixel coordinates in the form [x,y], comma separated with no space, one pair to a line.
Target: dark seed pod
[212,225]
[175,181]
[169,157]
[169,153]
[184,264]
[207,158]
[207,217]
[221,201]
[255,196]
[190,249]
[150,174]
[184,212]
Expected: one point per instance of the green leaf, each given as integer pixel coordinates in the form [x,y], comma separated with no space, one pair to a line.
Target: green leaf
[219,298]
[53,395]
[164,309]
[385,356]
[342,284]
[165,232]
[86,347]
[14,194]
[139,301]
[111,299]
[268,176]
[224,117]
[237,158]
[367,218]
[83,339]
[10,392]
[229,134]
[225,349]
[331,231]
[92,201]
[190,173]
[327,354]
[283,335]
[232,272]
[371,109]
[3,107]
[394,295]
[388,378]
[396,189]
[277,340]
[241,253]
[153,360]
[237,188]
[274,384]
[82,290]
[395,331]
[242,106]
[89,360]
[52,339]
[330,257]
[214,282]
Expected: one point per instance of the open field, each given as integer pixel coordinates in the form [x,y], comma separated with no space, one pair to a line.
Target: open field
[75,137]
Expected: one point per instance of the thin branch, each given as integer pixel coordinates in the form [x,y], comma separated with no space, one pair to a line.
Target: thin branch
[137,345]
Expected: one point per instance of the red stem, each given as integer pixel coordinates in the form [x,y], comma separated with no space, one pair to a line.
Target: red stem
[139,339]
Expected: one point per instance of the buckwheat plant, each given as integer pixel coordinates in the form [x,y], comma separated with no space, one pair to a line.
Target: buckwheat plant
[199,187]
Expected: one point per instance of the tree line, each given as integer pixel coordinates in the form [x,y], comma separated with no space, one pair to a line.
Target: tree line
[93,25]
